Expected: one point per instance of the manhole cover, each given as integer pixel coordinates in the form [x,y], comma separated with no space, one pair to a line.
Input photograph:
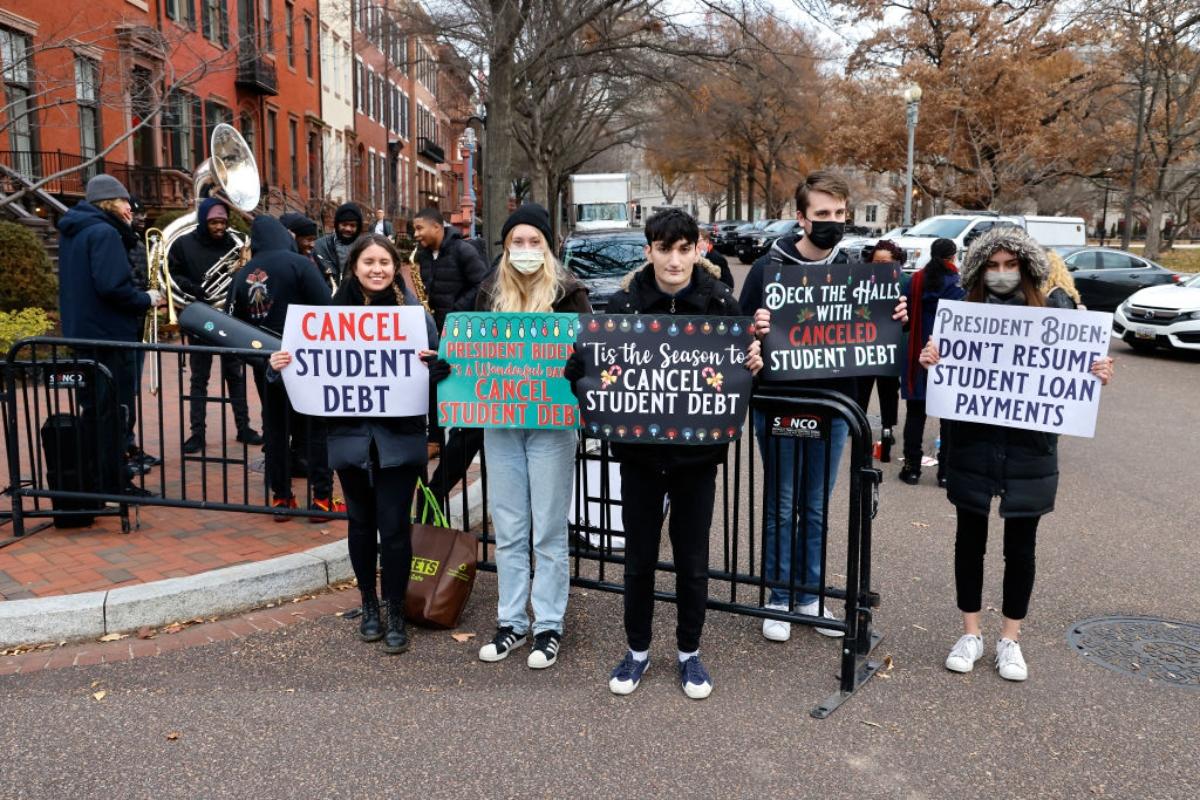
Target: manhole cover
[1154,649]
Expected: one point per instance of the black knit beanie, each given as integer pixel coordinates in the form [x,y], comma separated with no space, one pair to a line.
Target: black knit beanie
[529,214]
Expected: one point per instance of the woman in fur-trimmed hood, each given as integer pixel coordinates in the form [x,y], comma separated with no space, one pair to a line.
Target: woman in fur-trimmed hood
[1019,466]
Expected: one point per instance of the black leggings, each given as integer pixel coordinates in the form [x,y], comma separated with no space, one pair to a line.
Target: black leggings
[380,501]
[970,543]
[889,397]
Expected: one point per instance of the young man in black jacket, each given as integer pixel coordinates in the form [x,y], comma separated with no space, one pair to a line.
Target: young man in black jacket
[451,268]
[675,281]
[275,277]
[821,204]
[331,249]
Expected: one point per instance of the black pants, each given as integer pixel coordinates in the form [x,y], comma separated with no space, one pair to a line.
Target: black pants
[380,501]
[691,492]
[970,543]
[914,435]
[282,425]
[889,397]
[235,383]
[460,448]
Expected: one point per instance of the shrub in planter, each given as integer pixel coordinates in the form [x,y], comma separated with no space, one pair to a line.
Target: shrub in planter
[26,277]
[15,325]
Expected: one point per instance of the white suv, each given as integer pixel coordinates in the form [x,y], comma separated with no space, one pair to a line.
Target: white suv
[1167,315]
[962,229]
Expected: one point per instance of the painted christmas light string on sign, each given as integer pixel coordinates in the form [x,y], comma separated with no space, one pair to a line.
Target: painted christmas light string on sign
[663,378]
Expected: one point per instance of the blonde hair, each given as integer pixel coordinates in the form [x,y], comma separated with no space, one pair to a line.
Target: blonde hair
[530,293]
[1059,277]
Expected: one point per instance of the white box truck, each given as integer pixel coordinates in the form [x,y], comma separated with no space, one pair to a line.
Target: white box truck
[965,227]
[600,201]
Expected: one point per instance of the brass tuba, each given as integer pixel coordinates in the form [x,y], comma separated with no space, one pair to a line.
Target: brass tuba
[231,174]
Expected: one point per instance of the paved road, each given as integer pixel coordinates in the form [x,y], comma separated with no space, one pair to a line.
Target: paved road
[309,712]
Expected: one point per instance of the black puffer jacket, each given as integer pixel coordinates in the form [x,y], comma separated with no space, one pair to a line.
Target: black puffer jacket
[985,461]
[452,280]
[706,296]
[398,441]
[275,277]
[193,254]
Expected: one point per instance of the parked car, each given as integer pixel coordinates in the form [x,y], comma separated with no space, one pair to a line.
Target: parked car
[964,227]
[723,235]
[602,259]
[1166,315]
[755,243]
[744,243]
[1105,276]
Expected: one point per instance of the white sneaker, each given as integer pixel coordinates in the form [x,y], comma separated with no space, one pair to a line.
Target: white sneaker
[774,629]
[811,610]
[1009,661]
[966,651]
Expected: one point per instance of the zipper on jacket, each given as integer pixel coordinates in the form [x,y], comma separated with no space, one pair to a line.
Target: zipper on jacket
[672,305]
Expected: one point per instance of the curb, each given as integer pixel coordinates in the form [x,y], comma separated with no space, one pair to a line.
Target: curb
[218,592]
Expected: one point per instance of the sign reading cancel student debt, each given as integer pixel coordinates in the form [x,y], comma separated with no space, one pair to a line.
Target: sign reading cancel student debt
[661,378]
[506,371]
[1017,366]
[832,320]
[356,361]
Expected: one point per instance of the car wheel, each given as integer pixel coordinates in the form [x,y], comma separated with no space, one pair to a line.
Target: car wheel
[1140,346]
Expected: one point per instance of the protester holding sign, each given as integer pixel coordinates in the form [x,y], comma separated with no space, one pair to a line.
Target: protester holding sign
[378,459]
[1004,267]
[675,281]
[885,251]
[821,203]
[530,471]
[936,281]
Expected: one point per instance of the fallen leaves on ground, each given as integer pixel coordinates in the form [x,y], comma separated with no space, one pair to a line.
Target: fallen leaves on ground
[172,736]
[462,637]
[146,633]
[919,524]
[100,695]
[114,637]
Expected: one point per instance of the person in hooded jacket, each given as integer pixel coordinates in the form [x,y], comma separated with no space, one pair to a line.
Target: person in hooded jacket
[936,281]
[379,459]
[97,299]
[885,251]
[191,256]
[530,472]
[451,268]
[332,249]
[675,280]
[275,277]
[1004,266]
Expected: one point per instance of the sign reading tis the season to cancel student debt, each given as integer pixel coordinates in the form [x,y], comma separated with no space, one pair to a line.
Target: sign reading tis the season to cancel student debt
[660,378]
[1017,366]
[832,320]
[506,371]
[356,361]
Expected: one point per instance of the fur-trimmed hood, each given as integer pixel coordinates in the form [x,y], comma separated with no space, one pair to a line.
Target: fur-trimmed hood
[709,267]
[1014,240]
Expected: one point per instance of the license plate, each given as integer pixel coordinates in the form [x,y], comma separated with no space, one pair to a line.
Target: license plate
[1144,333]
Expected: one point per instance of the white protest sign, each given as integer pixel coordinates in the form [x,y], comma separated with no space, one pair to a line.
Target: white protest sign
[356,361]
[1017,366]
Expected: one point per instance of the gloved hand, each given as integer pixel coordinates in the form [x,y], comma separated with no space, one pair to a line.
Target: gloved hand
[573,369]
[439,368]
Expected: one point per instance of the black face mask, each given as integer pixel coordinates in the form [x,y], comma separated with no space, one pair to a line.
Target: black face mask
[826,233]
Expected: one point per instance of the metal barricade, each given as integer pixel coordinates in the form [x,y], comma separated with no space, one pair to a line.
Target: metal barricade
[104,385]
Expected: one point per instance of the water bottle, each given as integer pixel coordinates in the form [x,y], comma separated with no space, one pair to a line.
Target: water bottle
[937,445]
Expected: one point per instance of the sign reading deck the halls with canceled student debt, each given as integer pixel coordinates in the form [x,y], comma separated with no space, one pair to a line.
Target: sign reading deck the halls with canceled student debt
[352,361]
[506,371]
[832,320]
[1018,367]
[661,378]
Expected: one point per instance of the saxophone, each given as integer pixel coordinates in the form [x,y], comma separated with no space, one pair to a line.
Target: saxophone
[418,283]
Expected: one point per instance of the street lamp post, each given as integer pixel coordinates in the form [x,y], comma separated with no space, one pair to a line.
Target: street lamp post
[468,144]
[912,99]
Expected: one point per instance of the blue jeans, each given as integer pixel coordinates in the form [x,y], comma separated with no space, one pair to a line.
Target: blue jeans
[797,472]
[529,479]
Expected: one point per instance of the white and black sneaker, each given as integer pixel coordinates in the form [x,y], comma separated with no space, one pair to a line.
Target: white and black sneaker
[501,644]
[545,650]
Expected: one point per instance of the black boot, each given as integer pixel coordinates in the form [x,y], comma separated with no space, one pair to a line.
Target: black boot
[370,629]
[886,440]
[910,474]
[396,639]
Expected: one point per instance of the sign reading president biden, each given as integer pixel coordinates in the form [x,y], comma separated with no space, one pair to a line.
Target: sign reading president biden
[356,361]
[1017,366]
[832,321]
[660,378]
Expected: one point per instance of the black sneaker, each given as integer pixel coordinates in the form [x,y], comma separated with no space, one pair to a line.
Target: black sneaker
[910,475]
[137,455]
[545,650]
[194,444]
[501,644]
[250,437]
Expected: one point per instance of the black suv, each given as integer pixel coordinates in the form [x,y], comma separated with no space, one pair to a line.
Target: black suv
[724,234]
[602,259]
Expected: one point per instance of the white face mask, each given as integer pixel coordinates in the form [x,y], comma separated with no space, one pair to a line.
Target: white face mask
[526,262]
[1002,283]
